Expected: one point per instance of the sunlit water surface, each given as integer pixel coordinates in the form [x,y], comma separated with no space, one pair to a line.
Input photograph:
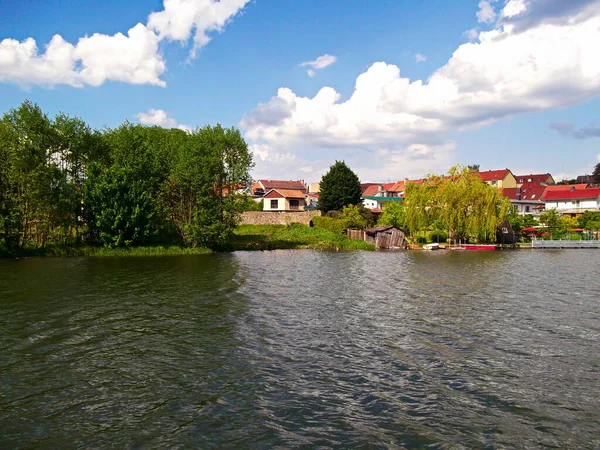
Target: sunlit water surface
[302,349]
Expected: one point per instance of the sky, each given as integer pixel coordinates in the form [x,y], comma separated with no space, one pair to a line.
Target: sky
[397,89]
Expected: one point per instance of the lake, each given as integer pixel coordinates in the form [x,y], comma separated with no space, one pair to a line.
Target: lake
[290,349]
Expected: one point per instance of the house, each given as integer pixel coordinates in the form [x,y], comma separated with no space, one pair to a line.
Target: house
[585,179]
[314,188]
[284,200]
[572,199]
[261,187]
[541,179]
[527,198]
[375,195]
[386,237]
[499,178]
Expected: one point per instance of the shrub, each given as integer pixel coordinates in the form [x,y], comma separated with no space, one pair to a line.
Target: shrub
[352,218]
[336,226]
[333,214]
[438,236]
[421,240]
[575,237]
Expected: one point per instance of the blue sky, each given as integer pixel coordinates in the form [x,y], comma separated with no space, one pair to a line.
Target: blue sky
[512,95]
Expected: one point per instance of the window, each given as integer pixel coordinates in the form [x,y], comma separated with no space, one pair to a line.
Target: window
[274,204]
[294,204]
[527,208]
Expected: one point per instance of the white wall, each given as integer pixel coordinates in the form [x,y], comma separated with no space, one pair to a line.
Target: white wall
[570,204]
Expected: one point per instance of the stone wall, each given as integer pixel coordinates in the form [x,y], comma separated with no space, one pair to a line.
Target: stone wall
[277,217]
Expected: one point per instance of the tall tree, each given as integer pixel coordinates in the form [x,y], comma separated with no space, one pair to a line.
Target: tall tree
[460,203]
[339,187]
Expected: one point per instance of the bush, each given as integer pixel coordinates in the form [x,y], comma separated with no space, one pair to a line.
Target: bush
[333,214]
[421,240]
[352,218]
[336,226]
[575,237]
[438,236]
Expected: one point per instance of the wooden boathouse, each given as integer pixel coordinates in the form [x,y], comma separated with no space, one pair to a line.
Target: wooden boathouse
[382,237]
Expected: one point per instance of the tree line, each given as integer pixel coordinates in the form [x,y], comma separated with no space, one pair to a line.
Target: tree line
[62,182]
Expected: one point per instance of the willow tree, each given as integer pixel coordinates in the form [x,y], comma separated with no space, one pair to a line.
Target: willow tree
[460,203]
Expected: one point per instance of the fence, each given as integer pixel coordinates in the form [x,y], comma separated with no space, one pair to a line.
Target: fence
[356,235]
[565,244]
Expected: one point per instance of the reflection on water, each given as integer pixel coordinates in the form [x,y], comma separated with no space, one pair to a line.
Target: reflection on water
[285,349]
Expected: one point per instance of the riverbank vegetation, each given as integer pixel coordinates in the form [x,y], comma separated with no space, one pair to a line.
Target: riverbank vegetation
[64,185]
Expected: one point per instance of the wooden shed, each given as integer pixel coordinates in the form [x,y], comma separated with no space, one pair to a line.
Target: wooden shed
[386,237]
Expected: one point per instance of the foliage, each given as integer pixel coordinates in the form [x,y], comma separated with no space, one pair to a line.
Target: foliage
[62,183]
[438,236]
[555,225]
[339,187]
[248,204]
[294,236]
[421,240]
[352,218]
[569,222]
[336,226]
[460,203]
[393,214]
[596,174]
[589,220]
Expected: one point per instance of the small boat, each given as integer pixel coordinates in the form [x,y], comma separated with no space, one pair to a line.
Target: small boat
[485,247]
[433,246]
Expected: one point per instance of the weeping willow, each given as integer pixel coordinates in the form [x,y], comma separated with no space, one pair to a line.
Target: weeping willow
[460,203]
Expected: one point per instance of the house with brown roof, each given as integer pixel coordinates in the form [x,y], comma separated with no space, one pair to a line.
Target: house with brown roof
[261,187]
[499,178]
[542,179]
[284,200]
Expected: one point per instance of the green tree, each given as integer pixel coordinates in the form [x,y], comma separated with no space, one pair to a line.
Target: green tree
[460,203]
[339,187]
[393,214]
[120,206]
[553,222]
[352,218]
[589,220]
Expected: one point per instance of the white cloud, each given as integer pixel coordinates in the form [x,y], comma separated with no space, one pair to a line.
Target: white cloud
[513,8]
[553,65]
[180,18]
[472,34]
[486,13]
[320,63]
[420,58]
[160,118]
[133,58]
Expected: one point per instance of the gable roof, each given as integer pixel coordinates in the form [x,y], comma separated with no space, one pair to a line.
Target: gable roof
[397,187]
[371,190]
[534,178]
[494,175]
[528,192]
[387,186]
[283,184]
[285,193]
[575,194]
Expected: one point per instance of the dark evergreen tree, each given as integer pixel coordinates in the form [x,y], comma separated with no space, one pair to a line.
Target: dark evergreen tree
[596,174]
[339,187]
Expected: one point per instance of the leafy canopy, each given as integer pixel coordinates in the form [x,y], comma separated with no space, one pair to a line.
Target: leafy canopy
[339,187]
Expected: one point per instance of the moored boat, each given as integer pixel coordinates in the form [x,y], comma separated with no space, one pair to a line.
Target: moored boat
[486,247]
[433,246]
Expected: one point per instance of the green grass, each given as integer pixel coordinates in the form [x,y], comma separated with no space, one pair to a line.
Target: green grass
[295,236]
[69,251]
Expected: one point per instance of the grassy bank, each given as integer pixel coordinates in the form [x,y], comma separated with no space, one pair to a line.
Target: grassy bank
[70,251]
[246,237]
[295,236]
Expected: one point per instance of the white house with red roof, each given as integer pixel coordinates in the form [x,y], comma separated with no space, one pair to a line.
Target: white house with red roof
[572,199]
[527,198]
[284,200]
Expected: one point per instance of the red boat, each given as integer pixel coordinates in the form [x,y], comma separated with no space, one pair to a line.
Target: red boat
[486,247]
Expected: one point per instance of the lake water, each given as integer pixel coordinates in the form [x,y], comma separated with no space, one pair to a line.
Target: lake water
[308,349]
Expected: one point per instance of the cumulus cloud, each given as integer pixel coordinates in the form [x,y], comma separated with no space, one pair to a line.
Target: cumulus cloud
[486,13]
[568,129]
[420,58]
[502,74]
[181,18]
[521,15]
[320,63]
[160,118]
[133,58]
